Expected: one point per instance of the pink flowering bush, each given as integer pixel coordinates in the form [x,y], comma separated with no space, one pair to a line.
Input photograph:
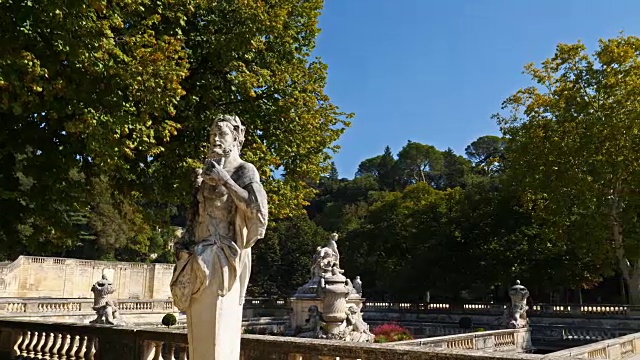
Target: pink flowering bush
[391,332]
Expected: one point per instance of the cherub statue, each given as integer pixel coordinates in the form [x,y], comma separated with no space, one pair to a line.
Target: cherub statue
[105,308]
[357,329]
[313,326]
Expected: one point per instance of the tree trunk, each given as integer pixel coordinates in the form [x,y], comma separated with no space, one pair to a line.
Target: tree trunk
[630,270]
[578,292]
[633,283]
[623,291]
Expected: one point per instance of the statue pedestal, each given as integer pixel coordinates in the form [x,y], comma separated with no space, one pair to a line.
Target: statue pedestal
[300,309]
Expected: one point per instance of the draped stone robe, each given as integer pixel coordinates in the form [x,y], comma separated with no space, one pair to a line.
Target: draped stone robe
[210,284]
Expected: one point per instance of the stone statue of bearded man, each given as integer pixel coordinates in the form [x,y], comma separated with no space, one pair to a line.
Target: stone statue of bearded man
[229,216]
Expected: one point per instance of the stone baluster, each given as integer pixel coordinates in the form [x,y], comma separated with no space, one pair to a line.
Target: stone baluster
[50,341]
[171,349]
[32,342]
[183,352]
[40,345]
[70,351]
[90,348]
[66,340]
[81,349]
[24,343]
[18,336]
[152,350]
[57,342]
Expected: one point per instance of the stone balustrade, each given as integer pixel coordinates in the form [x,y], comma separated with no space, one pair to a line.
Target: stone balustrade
[541,310]
[513,340]
[577,333]
[10,307]
[623,347]
[42,340]
[567,310]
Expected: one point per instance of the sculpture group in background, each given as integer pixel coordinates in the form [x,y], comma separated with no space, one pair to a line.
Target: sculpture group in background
[326,262]
[339,321]
[105,308]
[515,315]
[227,216]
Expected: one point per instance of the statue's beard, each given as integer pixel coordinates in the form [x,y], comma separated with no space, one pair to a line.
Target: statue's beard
[218,152]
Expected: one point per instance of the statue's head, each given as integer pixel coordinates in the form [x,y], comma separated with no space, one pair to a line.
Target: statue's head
[226,135]
[313,309]
[334,237]
[104,277]
[353,309]
[357,277]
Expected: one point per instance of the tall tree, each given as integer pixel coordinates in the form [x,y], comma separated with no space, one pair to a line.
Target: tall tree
[382,167]
[253,59]
[573,140]
[455,169]
[419,163]
[87,90]
[487,153]
[126,92]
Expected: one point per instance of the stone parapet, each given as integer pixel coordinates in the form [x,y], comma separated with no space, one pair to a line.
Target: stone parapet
[624,347]
[22,339]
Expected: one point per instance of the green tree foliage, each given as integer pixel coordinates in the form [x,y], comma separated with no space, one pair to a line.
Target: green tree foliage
[455,170]
[419,163]
[382,168]
[86,89]
[253,59]
[487,153]
[124,93]
[573,139]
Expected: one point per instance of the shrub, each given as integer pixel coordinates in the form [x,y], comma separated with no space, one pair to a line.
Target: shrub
[391,332]
[169,320]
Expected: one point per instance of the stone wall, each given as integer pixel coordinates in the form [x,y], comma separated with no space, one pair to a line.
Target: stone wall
[72,278]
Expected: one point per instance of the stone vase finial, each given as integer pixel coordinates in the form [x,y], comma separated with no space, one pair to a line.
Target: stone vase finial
[335,294]
[515,315]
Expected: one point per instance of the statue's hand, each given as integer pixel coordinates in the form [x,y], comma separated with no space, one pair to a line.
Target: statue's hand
[215,172]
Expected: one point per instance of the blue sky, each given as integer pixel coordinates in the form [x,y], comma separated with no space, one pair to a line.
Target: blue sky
[434,71]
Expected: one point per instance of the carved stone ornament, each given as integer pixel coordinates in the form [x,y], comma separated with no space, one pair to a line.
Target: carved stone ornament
[515,315]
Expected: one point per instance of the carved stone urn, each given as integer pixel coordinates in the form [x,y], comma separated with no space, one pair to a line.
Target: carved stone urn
[335,292]
[516,315]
